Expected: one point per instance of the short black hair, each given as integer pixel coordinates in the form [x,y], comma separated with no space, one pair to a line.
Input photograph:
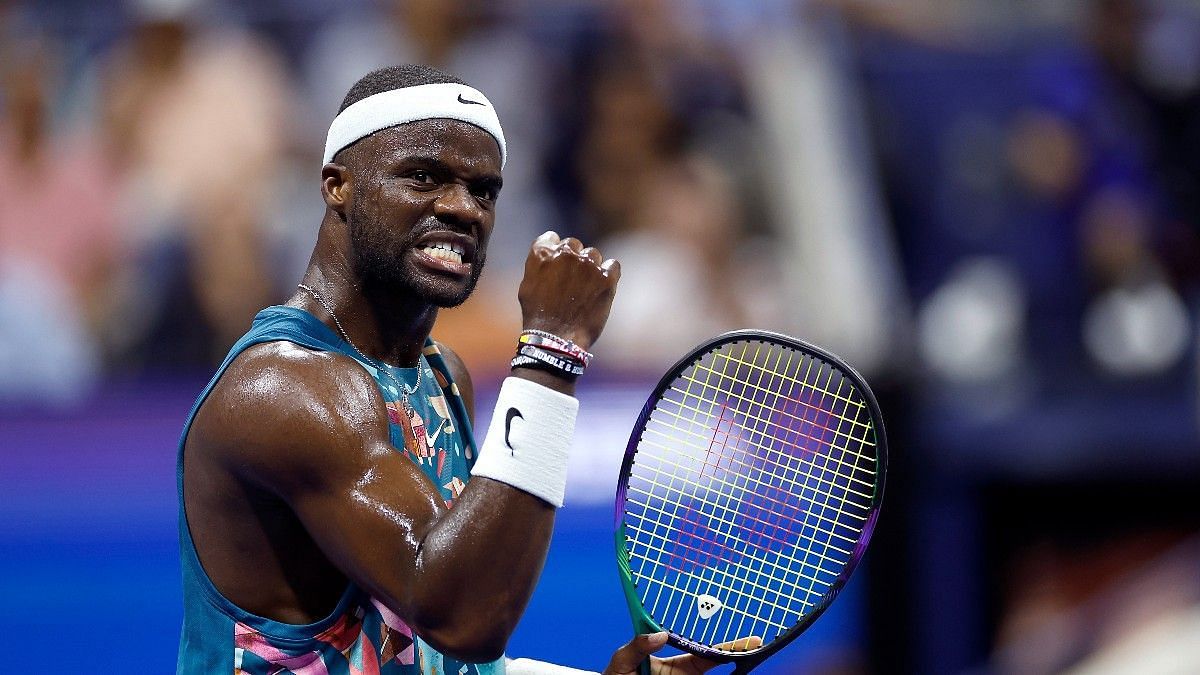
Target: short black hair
[395,77]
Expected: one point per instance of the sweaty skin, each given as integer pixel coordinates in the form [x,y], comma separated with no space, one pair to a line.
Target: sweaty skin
[292,488]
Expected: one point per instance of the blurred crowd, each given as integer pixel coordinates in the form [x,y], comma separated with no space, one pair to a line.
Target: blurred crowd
[983,203]
[758,164]
[168,153]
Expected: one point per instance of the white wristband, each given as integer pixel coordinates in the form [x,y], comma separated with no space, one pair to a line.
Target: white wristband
[531,667]
[529,438]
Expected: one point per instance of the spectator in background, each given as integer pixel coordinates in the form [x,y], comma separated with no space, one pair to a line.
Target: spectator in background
[659,80]
[1140,245]
[630,130]
[58,240]
[665,170]
[678,45]
[1083,151]
[1046,247]
[190,113]
[687,240]
[1152,51]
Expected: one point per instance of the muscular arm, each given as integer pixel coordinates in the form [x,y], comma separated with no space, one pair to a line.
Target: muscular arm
[311,428]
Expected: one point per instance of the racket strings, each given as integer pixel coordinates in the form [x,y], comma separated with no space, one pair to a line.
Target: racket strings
[855,440]
[759,468]
[759,531]
[742,396]
[707,554]
[655,488]
[868,484]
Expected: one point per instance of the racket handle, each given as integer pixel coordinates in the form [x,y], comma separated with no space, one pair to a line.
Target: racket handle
[644,666]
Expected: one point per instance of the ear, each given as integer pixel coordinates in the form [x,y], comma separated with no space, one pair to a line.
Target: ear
[335,188]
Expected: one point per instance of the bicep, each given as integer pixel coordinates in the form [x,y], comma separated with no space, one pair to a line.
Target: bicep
[314,432]
[370,513]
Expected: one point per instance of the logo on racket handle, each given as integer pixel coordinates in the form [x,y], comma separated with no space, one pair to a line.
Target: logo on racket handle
[707,605]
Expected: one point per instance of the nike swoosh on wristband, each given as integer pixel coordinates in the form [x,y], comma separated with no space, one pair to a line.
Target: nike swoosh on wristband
[468,101]
[508,418]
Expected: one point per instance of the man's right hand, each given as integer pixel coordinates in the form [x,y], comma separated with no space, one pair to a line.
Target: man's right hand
[568,289]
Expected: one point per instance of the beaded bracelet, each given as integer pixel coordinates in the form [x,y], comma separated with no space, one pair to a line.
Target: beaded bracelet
[540,338]
[530,356]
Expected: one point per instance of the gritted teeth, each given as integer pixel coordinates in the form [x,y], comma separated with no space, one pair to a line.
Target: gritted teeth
[451,247]
[444,251]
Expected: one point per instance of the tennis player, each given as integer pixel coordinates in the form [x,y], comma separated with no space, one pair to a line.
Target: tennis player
[336,514]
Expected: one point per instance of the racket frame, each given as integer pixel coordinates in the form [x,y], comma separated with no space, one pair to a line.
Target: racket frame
[642,621]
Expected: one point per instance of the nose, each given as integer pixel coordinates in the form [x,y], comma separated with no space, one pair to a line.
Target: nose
[457,206]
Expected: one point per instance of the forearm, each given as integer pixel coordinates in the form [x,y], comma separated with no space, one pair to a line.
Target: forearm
[476,569]
[491,546]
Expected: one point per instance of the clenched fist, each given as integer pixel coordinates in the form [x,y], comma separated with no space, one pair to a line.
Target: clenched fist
[568,289]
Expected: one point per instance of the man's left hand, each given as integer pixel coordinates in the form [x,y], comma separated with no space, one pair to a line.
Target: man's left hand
[625,661]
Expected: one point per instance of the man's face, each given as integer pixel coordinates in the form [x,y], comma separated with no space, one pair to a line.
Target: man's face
[422,207]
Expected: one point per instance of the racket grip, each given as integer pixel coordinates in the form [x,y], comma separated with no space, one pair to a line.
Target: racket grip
[644,666]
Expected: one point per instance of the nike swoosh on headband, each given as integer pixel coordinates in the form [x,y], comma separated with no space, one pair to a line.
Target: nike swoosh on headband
[410,104]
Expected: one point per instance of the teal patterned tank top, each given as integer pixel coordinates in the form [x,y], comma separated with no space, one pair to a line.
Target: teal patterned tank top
[361,636]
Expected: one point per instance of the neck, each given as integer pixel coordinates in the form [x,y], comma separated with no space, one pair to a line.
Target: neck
[385,325]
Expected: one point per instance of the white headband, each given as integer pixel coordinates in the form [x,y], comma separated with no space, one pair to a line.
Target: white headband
[400,106]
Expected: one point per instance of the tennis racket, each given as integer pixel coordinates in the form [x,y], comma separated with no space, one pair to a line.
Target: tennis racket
[749,490]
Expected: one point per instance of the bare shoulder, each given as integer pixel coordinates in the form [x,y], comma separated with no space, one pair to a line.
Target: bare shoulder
[462,377]
[281,409]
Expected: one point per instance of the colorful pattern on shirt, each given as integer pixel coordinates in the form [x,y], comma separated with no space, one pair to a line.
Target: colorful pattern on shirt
[361,636]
